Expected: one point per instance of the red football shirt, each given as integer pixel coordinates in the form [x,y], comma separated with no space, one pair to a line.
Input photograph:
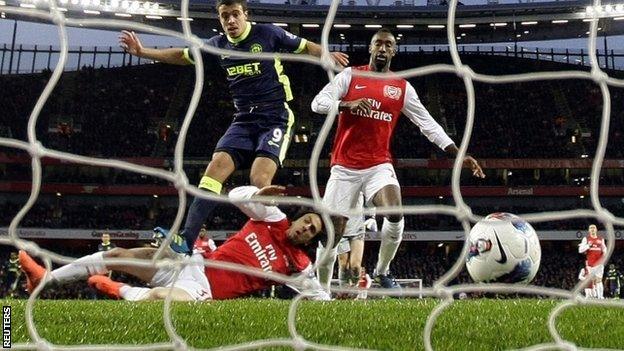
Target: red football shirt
[204,245]
[258,244]
[595,251]
[363,141]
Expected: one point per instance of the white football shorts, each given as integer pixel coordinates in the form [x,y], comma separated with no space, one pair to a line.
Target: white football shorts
[598,270]
[191,279]
[355,224]
[345,186]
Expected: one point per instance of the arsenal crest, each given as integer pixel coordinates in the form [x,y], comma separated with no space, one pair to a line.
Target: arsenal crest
[392,92]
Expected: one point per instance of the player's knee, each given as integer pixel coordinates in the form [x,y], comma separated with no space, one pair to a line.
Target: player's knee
[220,166]
[260,179]
[340,224]
[393,230]
[395,218]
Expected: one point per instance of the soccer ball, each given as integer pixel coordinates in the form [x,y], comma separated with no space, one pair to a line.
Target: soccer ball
[504,248]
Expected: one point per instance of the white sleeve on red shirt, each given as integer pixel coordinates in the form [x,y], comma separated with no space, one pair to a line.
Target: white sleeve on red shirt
[582,274]
[211,245]
[331,94]
[583,246]
[255,210]
[418,114]
[604,247]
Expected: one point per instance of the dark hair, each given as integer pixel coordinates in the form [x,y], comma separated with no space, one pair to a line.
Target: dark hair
[384,30]
[321,236]
[243,3]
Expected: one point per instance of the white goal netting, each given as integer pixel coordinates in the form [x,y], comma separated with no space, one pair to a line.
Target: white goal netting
[461,211]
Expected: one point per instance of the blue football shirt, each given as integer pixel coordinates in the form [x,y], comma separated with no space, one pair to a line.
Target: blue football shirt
[255,81]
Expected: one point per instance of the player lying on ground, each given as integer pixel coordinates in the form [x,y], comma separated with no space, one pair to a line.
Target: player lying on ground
[268,241]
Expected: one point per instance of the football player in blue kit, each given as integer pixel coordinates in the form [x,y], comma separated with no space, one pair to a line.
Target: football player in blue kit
[262,126]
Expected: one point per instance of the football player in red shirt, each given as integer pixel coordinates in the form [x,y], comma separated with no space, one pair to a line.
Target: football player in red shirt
[204,243]
[268,242]
[369,108]
[594,249]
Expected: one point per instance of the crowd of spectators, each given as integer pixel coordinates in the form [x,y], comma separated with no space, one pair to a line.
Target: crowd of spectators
[84,216]
[136,112]
[299,176]
[124,112]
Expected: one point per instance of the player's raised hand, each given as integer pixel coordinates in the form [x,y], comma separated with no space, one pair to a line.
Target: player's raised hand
[340,58]
[474,166]
[130,42]
[272,190]
[363,105]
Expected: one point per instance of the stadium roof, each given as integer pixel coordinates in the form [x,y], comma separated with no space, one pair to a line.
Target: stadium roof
[419,25]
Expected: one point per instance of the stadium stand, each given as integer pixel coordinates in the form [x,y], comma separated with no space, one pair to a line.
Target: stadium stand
[124,112]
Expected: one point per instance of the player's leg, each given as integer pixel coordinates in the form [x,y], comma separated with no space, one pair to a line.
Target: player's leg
[344,271]
[592,289]
[145,274]
[218,171]
[383,184]
[598,286]
[355,259]
[342,193]
[262,171]
[273,141]
[93,264]
[227,157]
[119,290]
[599,289]
[190,284]
[80,268]
[325,268]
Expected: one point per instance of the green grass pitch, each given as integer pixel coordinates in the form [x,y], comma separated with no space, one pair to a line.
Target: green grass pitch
[389,324]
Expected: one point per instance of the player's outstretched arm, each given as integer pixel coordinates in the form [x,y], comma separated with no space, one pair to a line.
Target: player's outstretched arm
[255,210]
[332,93]
[469,161]
[583,246]
[130,42]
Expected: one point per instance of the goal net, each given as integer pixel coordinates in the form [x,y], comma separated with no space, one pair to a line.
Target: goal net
[461,211]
